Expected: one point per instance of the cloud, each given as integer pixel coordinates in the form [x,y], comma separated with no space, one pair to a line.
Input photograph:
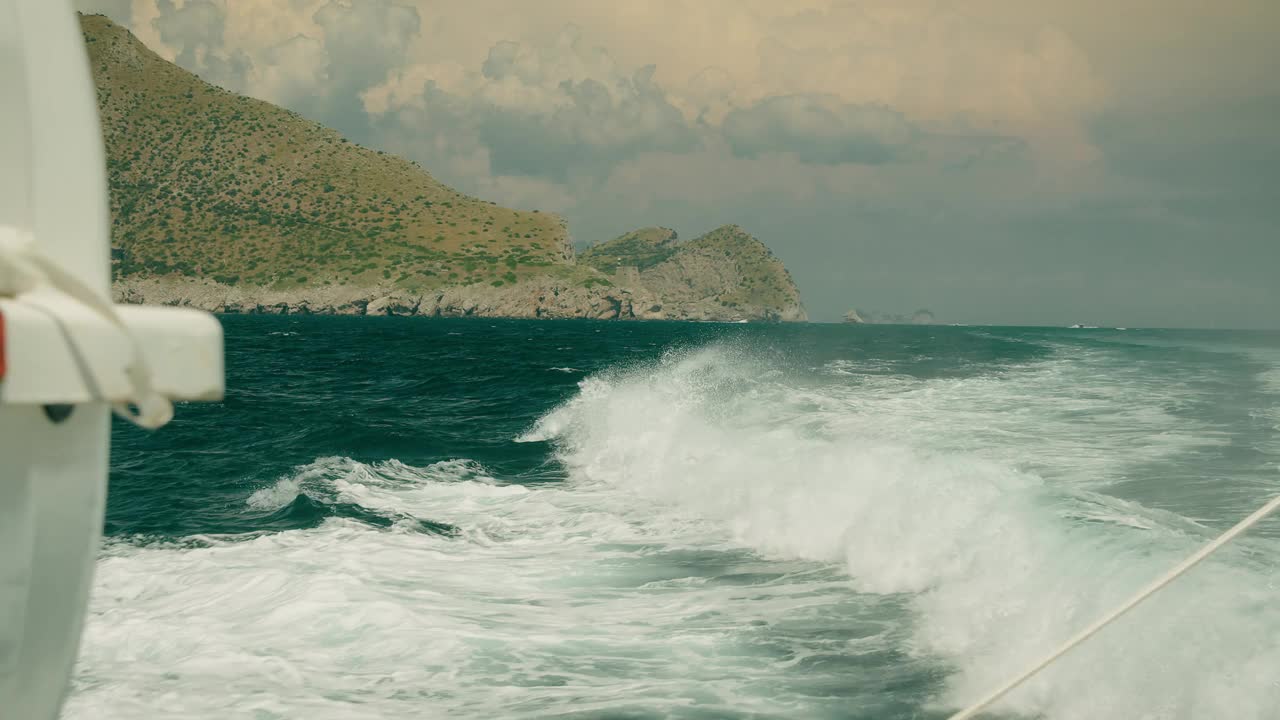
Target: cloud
[558,110]
[313,57]
[707,95]
[195,30]
[192,27]
[819,129]
[362,42]
[545,101]
[290,73]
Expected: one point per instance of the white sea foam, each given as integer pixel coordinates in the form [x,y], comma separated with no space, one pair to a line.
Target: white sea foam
[1269,383]
[858,531]
[1000,565]
[1271,380]
[551,599]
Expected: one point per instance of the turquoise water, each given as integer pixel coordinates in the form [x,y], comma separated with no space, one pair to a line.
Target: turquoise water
[411,518]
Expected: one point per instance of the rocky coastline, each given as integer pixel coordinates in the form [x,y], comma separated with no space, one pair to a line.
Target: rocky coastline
[539,298]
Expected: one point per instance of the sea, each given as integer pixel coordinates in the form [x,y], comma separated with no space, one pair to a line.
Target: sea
[473,518]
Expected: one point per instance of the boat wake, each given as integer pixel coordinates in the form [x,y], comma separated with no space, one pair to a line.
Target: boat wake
[999,564]
[734,538]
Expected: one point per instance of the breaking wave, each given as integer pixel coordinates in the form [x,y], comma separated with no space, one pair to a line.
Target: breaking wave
[999,564]
[736,537]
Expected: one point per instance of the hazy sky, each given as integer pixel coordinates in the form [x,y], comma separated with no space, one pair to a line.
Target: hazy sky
[995,161]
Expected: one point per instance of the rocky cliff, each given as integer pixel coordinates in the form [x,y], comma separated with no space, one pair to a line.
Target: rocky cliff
[725,274]
[854,317]
[231,204]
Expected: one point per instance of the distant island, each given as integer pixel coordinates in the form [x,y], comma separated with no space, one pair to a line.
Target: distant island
[864,317]
[230,204]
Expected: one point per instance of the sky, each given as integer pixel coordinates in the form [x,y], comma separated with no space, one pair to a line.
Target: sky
[994,161]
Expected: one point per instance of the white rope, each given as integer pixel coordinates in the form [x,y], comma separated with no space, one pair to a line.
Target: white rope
[1133,602]
[23,268]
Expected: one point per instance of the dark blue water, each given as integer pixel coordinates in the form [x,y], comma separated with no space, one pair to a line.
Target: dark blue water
[428,391]
[400,517]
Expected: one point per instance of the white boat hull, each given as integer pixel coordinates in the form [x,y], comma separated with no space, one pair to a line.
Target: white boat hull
[52,493]
[67,356]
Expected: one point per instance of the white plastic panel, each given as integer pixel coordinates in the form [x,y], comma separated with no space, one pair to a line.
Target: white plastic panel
[70,216]
[54,488]
[183,348]
[15,139]
[58,351]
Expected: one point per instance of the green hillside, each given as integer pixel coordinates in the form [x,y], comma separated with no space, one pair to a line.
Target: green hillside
[641,249]
[209,184]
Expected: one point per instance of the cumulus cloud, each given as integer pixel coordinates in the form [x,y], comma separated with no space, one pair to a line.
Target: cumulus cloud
[558,110]
[193,27]
[314,56]
[362,42]
[195,30]
[829,81]
[819,129]
[290,73]
[707,95]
